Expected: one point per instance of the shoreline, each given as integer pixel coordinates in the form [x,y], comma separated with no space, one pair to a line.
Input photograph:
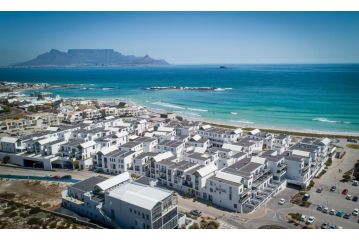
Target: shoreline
[223,124]
[245,127]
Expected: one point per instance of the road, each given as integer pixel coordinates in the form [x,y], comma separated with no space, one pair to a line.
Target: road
[271,213]
[80,175]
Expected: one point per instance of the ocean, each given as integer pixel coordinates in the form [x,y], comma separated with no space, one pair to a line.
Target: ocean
[313,98]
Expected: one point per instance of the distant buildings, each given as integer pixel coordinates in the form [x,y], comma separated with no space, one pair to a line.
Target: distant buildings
[233,169]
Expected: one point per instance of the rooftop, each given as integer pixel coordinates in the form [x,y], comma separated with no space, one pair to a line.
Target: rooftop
[140,195]
[88,184]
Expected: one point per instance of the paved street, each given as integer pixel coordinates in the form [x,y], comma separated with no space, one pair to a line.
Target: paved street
[274,214]
[271,213]
[80,175]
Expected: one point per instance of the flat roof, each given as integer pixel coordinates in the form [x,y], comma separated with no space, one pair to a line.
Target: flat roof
[140,195]
[88,184]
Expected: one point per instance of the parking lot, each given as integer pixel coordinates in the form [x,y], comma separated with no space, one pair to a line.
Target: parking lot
[336,200]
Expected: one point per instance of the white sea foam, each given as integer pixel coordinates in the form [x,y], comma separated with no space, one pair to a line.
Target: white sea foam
[222,89]
[159,109]
[188,113]
[106,89]
[234,113]
[242,121]
[169,105]
[323,119]
[198,109]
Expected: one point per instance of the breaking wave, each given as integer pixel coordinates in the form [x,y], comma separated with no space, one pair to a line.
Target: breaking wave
[198,109]
[242,121]
[326,120]
[169,105]
[233,113]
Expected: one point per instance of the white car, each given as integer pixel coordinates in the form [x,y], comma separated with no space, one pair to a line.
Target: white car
[303,218]
[348,197]
[355,183]
[311,220]
[281,201]
[332,212]
[325,210]
[355,212]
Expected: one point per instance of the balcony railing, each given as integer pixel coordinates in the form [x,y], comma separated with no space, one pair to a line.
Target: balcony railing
[262,179]
[259,175]
[187,184]
[244,198]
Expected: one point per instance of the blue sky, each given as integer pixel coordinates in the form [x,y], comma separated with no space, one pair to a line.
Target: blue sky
[187,37]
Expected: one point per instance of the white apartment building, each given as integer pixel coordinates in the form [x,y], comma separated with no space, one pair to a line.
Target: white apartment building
[219,136]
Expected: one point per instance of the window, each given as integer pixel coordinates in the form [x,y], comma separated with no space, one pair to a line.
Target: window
[131,210]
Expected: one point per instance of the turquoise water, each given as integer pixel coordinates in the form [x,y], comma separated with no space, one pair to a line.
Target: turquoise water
[301,97]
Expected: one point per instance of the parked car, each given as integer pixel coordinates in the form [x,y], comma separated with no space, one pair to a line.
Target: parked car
[281,201]
[355,183]
[355,199]
[355,212]
[331,212]
[353,140]
[311,220]
[325,210]
[333,188]
[319,190]
[348,197]
[325,226]
[306,197]
[332,226]
[196,213]
[347,215]
[340,213]
[56,177]
[320,208]
[303,218]
[345,192]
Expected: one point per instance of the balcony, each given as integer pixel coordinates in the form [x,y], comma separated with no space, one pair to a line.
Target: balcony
[264,177]
[187,184]
[305,170]
[282,171]
[260,174]
[244,198]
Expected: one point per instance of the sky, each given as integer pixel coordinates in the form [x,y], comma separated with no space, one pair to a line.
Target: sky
[187,37]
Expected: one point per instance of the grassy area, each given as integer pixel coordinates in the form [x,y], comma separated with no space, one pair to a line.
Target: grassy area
[206,223]
[16,215]
[353,146]
[293,133]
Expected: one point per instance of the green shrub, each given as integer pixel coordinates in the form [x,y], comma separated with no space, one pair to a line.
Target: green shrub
[346,177]
[53,225]
[34,221]
[194,226]
[6,159]
[35,210]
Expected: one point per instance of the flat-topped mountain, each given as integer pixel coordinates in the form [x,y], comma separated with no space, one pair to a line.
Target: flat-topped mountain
[88,57]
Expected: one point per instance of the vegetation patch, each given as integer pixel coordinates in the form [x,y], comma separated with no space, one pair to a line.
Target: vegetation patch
[353,146]
[321,174]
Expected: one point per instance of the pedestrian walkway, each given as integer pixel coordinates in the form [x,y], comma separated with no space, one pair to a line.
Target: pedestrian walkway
[225,225]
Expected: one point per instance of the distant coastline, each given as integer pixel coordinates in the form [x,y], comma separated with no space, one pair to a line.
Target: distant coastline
[308,98]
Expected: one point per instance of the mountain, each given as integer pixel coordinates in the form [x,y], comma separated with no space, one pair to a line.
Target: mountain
[88,57]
